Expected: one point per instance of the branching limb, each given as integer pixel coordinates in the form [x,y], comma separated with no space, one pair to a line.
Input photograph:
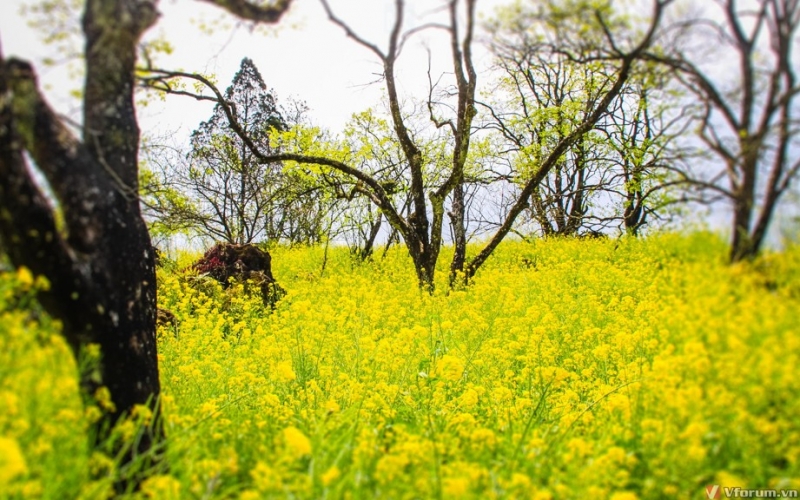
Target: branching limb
[601,108]
[352,34]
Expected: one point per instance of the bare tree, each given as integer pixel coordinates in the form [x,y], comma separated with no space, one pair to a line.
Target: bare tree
[748,118]
[422,231]
[219,190]
[101,264]
[540,98]
[623,171]
[600,42]
[422,228]
[648,163]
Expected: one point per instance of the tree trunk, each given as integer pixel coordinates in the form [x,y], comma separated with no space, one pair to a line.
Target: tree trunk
[99,261]
[369,243]
[424,263]
[742,247]
[459,234]
[101,267]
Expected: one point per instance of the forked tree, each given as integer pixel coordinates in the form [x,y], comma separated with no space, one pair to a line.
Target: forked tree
[552,69]
[422,226]
[584,32]
[99,261]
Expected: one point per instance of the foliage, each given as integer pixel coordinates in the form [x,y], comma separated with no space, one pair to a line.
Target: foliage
[572,368]
[554,64]
[220,190]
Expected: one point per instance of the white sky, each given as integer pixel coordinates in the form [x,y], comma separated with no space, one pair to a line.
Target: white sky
[306,57]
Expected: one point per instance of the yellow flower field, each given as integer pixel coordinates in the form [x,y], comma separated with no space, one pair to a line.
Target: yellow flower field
[570,369]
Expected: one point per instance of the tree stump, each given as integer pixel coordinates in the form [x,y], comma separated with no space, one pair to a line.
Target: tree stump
[227,263]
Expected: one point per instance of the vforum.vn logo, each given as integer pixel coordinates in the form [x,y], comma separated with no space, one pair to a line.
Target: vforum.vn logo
[715,491]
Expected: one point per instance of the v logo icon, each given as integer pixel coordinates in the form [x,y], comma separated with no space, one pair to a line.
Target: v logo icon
[712,492]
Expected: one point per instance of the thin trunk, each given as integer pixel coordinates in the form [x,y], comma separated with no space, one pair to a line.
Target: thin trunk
[369,243]
[742,244]
[457,213]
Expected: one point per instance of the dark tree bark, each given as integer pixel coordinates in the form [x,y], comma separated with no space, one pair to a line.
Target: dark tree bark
[101,268]
[101,265]
[457,222]
[369,238]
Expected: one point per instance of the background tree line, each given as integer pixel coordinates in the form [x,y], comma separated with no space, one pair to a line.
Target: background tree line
[593,121]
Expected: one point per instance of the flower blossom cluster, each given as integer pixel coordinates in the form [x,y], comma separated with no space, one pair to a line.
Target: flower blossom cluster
[615,369]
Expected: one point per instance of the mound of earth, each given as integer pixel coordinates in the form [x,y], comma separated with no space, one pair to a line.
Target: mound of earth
[228,263]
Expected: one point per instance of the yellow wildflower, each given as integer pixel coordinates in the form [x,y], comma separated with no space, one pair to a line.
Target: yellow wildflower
[285,372]
[12,462]
[450,368]
[331,406]
[103,397]
[297,443]
[265,478]
[25,277]
[161,487]
[455,487]
[624,495]
[469,398]
[330,475]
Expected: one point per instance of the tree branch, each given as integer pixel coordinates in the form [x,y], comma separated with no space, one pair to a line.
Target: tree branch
[244,9]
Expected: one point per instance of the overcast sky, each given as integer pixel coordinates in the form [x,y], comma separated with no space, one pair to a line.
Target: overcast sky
[306,56]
